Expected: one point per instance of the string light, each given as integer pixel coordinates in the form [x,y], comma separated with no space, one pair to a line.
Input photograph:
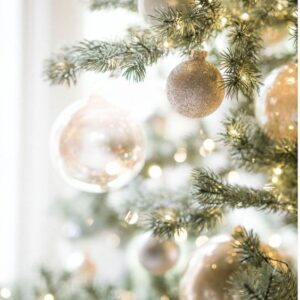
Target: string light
[245,16]
[131,218]
[49,297]
[5,293]
[277,171]
[275,179]
[164,297]
[275,240]
[155,171]
[209,145]
[180,155]
[233,176]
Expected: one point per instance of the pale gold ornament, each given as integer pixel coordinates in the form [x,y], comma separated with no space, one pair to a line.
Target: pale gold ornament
[195,88]
[157,256]
[97,147]
[273,35]
[276,104]
[210,268]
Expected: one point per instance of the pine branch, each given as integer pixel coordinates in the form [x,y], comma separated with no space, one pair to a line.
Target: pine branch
[189,25]
[260,276]
[104,4]
[128,57]
[251,148]
[209,191]
[167,224]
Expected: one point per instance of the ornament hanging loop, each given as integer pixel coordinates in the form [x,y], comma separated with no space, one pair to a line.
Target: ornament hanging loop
[199,55]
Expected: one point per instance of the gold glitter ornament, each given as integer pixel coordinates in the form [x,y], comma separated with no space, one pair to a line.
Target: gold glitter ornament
[210,268]
[195,88]
[276,104]
[97,147]
[157,256]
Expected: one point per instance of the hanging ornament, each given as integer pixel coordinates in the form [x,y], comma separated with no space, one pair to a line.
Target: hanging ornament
[157,256]
[210,268]
[276,106]
[148,8]
[195,88]
[273,35]
[97,147]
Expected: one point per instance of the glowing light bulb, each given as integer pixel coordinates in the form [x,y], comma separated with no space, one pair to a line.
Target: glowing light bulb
[155,171]
[275,240]
[131,218]
[209,145]
[181,155]
[245,16]
[233,176]
[277,171]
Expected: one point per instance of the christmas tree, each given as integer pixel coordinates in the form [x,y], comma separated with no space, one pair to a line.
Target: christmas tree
[180,233]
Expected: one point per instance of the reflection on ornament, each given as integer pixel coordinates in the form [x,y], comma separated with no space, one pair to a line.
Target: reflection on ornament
[157,256]
[210,268]
[97,147]
[276,106]
[195,87]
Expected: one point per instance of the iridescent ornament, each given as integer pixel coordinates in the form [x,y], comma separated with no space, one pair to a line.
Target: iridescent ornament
[97,147]
[157,256]
[276,105]
[195,88]
[210,268]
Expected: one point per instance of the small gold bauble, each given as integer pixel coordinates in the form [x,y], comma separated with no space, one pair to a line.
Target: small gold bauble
[210,268]
[157,256]
[195,88]
[276,105]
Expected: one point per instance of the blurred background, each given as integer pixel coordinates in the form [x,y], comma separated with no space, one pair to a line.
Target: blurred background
[36,225]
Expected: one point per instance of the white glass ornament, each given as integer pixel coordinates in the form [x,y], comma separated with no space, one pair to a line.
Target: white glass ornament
[96,146]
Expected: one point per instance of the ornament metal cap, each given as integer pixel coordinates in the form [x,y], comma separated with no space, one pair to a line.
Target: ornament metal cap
[199,55]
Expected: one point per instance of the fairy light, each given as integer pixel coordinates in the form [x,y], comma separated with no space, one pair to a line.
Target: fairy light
[164,297]
[201,240]
[131,218]
[181,155]
[245,16]
[181,235]
[277,171]
[5,293]
[49,297]
[233,176]
[74,261]
[233,132]
[291,127]
[155,171]
[275,240]
[223,21]
[214,266]
[275,179]
[168,217]
[209,145]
